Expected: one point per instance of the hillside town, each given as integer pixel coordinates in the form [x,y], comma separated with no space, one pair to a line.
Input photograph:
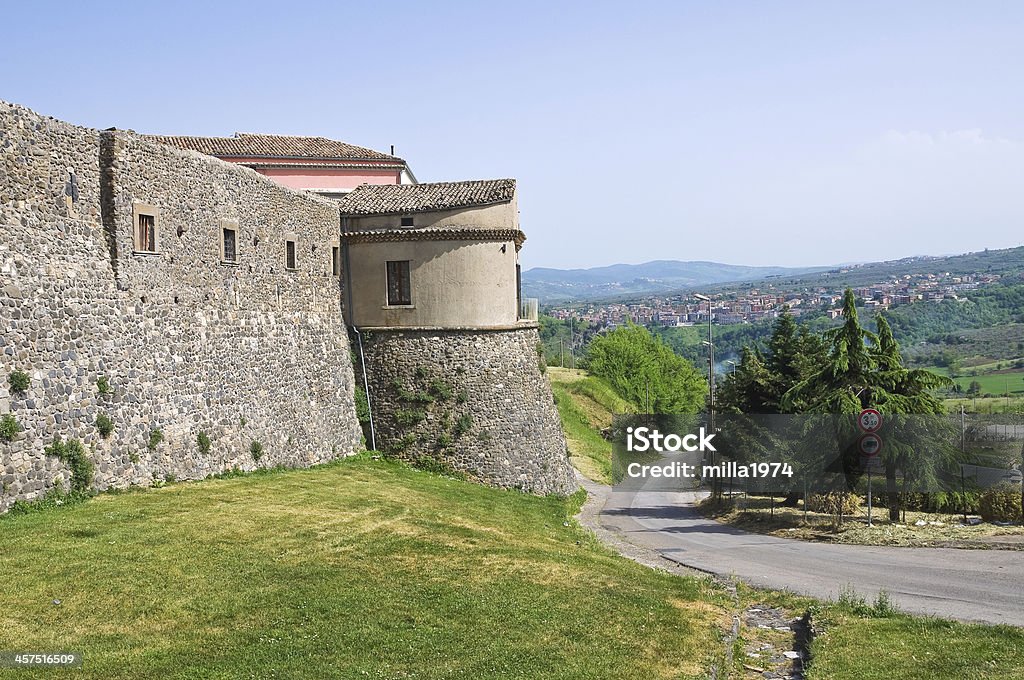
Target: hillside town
[746,304]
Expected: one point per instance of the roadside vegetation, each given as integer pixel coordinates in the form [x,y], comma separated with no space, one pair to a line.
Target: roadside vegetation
[770,515]
[587,406]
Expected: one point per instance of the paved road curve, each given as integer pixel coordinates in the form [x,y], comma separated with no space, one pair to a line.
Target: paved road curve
[971,585]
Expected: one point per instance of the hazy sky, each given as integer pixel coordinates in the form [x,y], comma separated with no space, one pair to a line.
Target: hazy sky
[786,133]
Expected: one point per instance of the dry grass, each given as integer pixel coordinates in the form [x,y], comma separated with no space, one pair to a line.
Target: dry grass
[940,530]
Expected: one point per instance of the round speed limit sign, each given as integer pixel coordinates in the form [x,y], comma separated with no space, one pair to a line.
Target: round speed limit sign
[869,420]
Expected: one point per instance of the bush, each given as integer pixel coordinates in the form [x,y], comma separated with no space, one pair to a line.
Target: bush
[9,427]
[256,449]
[104,424]
[463,424]
[204,443]
[19,382]
[72,453]
[834,503]
[1001,503]
[155,437]
[103,385]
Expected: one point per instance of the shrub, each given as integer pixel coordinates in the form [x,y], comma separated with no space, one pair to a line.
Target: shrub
[362,406]
[834,503]
[72,454]
[204,443]
[444,440]
[441,389]
[9,427]
[103,385]
[462,425]
[104,424]
[1001,503]
[408,417]
[256,449]
[155,437]
[19,382]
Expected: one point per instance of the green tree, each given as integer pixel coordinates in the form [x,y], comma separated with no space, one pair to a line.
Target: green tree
[643,369]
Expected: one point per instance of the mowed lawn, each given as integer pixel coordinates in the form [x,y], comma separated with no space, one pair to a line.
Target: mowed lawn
[357,569]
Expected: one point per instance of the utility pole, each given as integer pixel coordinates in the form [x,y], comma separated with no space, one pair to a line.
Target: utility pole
[963,450]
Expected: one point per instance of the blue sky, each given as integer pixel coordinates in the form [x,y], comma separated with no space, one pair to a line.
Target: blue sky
[788,133]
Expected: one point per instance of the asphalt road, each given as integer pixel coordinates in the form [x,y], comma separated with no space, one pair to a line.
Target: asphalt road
[970,585]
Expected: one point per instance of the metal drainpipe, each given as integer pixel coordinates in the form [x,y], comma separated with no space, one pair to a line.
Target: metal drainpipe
[359,336]
[366,388]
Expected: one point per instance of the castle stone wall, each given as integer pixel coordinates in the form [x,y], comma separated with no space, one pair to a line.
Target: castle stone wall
[243,352]
[472,401]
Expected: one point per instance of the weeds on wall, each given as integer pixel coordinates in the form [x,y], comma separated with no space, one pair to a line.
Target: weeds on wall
[431,397]
[72,453]
[155,437]
[18,381]
[103,385]
[9,427]
[203,443]
[256,450]
[104,424]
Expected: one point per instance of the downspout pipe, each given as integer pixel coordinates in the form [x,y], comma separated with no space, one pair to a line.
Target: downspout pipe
[359,336]
[366,389]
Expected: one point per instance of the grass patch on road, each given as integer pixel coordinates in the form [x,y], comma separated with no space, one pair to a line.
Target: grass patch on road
[357,569]
[859,645]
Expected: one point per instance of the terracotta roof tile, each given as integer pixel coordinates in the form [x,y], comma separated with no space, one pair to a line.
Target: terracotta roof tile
[273,146]
[386,199]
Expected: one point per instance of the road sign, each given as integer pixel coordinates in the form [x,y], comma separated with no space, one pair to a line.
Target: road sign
[869,420]
[870,444]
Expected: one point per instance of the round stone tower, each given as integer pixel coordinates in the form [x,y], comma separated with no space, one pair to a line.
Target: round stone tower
[430,278]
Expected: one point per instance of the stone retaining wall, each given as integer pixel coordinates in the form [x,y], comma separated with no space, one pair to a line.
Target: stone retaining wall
[244,352]
[470,400]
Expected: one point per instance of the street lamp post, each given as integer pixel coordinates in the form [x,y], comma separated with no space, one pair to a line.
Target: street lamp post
[711,385]
[711,365]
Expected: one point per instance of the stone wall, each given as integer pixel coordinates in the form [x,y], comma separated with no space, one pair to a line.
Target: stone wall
[245,351]
[472,401]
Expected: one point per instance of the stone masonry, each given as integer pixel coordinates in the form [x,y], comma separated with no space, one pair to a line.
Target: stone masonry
[244,352]
[474,401]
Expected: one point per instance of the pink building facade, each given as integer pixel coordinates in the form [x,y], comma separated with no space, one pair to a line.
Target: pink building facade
[324,166]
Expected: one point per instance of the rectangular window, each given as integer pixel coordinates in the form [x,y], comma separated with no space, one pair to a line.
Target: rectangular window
[407,222]
[399,290]
[145,233]
[336,261]
[229,244]
[145,227]
[289,257]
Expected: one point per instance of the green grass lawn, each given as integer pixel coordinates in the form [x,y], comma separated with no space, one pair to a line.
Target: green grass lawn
[358,569]
[862,646]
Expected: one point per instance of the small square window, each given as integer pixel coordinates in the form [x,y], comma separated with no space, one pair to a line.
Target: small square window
[145,229]
[229,242]
[336,261]
[399,290]
[289,255]
[407,222]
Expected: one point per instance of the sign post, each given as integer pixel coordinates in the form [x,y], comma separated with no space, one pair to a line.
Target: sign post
[869,421]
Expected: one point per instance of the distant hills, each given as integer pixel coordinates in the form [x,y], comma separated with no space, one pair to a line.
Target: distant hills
[597,283]
[634,281]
